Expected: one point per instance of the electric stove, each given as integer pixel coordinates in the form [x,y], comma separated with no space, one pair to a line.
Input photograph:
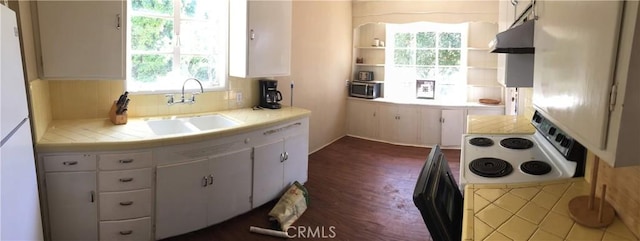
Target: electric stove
[547,154]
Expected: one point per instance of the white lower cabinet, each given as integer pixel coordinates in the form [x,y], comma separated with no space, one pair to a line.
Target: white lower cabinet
[398,123]
[363,119]
[277,165]
[452,127]
[72,205]
[113,196]
[180,200]
[411,124]
[430,126]
[200,193]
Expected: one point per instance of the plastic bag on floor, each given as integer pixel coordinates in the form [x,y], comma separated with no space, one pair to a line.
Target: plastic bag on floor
[290,206]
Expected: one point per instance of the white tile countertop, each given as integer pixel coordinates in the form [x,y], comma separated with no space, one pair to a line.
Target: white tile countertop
[102,135]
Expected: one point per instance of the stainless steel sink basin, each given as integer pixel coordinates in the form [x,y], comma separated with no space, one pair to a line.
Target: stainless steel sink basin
[189,124]
[212,122]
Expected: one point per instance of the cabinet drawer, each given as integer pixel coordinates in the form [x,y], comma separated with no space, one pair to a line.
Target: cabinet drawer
[81,162]
[125,180]
[125,161]
[125,205]
[134,229]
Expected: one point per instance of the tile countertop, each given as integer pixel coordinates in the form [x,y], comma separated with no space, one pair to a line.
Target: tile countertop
[533,211]
[499,124]
[102,135]
[429,102]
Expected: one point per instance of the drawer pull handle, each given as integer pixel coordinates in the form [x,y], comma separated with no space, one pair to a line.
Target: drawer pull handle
[205,182]
[125,161]
[128,232]
[71,163]
[126,179]
[92,195]
[128,203]
[211,179]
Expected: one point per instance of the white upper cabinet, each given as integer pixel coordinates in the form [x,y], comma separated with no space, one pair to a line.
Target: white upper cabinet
[260,38]
[82,39]
[582,68]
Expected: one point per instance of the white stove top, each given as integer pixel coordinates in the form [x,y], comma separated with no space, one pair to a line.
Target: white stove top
[542,150]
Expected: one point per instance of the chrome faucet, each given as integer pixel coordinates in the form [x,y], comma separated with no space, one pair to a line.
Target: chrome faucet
[192,100]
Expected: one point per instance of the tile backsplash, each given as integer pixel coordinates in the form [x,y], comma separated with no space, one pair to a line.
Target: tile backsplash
[89,99]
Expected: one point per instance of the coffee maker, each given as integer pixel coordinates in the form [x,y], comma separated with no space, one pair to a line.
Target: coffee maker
[269,94]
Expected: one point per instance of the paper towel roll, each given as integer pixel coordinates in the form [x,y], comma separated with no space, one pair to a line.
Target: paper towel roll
[280,234]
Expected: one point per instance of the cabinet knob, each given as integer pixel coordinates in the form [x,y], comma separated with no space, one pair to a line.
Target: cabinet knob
[118,19]
[281,157]
[252,35]
[211,179]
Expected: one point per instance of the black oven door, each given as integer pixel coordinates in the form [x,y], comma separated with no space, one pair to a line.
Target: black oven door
[438,198]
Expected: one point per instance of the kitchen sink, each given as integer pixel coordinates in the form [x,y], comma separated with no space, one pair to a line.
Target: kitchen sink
[189,124]
[170,126]
[212,122]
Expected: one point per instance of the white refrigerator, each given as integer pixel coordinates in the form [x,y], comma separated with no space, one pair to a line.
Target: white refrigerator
[19,203]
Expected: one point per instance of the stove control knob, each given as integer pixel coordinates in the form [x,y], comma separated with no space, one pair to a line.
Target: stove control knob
[565,143]
[559,137]
[552,131]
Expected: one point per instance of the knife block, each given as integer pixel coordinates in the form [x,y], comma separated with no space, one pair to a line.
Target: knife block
[115,118]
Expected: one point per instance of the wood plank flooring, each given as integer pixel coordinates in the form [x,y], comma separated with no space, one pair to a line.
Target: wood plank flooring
[359,189]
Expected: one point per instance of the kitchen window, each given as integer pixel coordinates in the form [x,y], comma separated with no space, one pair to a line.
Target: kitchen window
[172,40]
[426,51]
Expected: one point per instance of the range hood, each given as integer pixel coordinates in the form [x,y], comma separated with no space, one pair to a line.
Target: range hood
[516,40]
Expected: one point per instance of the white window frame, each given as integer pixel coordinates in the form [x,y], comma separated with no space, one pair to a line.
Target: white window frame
[222,71]
[395,83]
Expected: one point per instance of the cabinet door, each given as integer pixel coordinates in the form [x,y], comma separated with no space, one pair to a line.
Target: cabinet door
[268,172]
[452,127]
[263,48]
[73,210]
[406,125]
[363,119]
[230,190]
[573,71]
[398,124]
[430,126]
[270,43]
[82,39]
[297,159]
[388,118]
[181,203]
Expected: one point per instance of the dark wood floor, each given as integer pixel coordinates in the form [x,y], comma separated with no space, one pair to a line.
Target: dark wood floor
[359,189]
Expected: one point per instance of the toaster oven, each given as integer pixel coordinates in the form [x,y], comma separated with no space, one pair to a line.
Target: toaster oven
[368,89]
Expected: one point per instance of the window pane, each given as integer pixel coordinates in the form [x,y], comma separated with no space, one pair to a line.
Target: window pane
[449,57]
[150,67]
[199,9]
[162,7]
[151,34]
[450,40]
[426,72]
[403,57]
[449,74]
[199,67]
[425,57]
[197,37]
[426,40]
[403,40]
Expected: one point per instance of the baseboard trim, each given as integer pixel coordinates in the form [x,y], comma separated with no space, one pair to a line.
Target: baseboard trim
[331,142]
[402,144]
